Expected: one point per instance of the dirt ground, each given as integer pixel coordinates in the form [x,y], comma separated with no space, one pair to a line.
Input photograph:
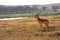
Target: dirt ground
[29,29]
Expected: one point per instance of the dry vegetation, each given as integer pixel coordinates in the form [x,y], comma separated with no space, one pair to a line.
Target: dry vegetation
[29,29]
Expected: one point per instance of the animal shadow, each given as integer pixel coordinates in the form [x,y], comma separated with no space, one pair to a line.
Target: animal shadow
[49,30]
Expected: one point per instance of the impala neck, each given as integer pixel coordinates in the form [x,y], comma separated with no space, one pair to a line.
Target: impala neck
[38,17]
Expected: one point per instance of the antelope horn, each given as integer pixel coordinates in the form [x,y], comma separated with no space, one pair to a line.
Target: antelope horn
[38,13]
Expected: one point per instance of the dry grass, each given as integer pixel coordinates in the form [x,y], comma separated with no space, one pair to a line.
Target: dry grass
[29,29]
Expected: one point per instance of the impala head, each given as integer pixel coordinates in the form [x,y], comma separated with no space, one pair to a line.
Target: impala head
[36,15]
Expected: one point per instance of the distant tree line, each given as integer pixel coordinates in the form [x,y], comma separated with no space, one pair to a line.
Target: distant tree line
[17,9]
[26,9]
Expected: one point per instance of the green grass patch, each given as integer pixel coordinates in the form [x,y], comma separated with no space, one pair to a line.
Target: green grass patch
[27,15]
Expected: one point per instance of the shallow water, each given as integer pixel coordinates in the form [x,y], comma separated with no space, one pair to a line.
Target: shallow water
[13,18]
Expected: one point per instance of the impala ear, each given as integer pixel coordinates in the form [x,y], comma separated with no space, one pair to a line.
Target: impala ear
[36,15]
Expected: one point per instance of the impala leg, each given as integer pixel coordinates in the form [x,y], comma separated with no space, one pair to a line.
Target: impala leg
[47,26]
[40,27]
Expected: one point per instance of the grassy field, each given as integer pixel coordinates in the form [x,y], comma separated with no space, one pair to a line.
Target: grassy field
[29,29]
[17,15]
[26,15]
